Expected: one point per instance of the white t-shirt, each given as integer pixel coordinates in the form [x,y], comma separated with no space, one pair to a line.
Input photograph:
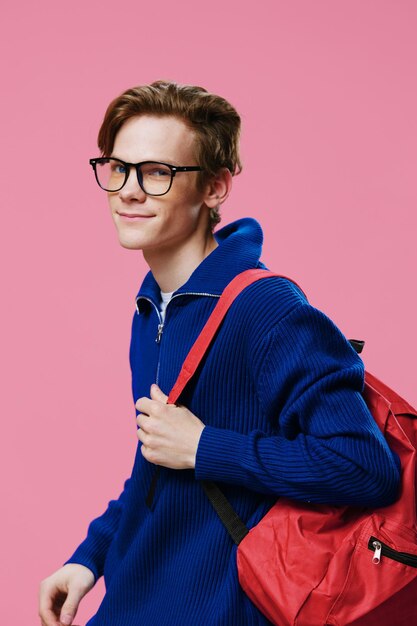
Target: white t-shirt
[165,298]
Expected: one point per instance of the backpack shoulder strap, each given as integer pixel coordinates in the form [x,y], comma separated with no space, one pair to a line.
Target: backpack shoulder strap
[189,367]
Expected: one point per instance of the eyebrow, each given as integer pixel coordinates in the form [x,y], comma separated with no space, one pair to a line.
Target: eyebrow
[170,161]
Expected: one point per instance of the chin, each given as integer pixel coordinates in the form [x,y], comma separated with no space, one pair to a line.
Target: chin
[130,244]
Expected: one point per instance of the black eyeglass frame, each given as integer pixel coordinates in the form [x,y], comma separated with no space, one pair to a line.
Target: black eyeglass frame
[174,169]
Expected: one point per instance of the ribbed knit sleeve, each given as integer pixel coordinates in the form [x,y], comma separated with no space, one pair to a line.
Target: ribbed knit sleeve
[325,445]
[93,550]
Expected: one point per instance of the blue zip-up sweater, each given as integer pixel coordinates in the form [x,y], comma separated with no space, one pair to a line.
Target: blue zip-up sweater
[279,393]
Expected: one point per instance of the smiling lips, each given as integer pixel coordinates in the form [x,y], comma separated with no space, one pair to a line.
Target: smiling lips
[128,216]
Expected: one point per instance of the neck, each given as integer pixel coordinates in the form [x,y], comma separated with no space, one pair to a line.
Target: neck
[172,267]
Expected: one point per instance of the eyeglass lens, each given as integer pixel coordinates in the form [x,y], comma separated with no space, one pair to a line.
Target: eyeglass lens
[155,178]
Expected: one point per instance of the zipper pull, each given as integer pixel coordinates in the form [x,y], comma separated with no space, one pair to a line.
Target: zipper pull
[160,331]
[377,554]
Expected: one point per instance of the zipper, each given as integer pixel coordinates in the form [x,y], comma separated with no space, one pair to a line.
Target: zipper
[160,330]
[151,493]
[158,312]
[382,549]
[161,324]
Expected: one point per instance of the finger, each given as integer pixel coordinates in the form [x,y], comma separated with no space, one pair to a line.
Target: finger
[70,606]
[144,405]
[46,607]
[50,623]
[142,435]
[49,618]
[149,435]
[150,455]
[143,421]
[158,395]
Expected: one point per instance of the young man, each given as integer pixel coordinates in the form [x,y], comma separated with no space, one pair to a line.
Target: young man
[275,409]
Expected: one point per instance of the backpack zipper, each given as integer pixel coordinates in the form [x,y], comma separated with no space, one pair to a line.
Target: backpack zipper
[382,549]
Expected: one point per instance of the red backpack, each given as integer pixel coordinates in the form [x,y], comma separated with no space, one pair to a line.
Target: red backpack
[318,565]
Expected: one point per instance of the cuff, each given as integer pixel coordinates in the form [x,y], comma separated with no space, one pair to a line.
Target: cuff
[81,557]
[220,456]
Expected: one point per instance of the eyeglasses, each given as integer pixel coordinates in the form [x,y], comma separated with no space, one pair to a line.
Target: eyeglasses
[154,178]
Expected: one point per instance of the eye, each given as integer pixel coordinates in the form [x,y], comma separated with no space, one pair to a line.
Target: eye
[155,170]
[160,172]
[118,168]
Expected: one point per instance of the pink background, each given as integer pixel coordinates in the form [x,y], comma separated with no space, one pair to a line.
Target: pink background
[327,93]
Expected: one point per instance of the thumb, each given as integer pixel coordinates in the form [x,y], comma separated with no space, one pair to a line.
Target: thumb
[158,394]
[70,606]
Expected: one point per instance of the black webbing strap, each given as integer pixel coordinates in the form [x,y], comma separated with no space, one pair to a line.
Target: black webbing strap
[230,519]
[152,488]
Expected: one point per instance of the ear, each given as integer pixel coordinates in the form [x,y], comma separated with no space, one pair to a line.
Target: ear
[218,188]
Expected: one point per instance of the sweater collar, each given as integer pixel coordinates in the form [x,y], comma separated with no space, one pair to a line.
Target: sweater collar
[239,249]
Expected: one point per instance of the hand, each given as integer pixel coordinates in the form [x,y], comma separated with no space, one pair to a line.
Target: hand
[169,433]
[61,593]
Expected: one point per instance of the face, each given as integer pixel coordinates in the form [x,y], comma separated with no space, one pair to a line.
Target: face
[158,223]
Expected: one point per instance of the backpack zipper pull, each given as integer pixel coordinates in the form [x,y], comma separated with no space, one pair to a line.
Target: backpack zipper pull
[377,554]
[160,331]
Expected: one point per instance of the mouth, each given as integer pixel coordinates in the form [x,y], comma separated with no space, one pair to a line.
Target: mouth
[134,217]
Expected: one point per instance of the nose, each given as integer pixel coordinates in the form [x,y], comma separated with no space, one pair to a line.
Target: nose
[131,190]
